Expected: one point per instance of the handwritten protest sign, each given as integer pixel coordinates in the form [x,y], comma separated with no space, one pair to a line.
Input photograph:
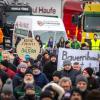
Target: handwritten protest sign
[28,46]
[86,58]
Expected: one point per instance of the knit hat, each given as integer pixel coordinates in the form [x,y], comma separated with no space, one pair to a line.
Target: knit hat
[37,65]
[66,62]
[21,65]
[28,72]
[81,78]
[27,57]
[31,86]
[89,70]
[8,87]
[57,73]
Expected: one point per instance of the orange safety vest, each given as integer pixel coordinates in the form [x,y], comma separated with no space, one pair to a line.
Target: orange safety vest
[1,36]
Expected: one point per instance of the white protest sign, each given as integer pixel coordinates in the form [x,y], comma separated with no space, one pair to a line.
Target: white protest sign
[86,58]
[28,46]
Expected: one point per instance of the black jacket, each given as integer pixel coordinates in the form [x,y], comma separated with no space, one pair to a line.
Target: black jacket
[71,74]
[49,69]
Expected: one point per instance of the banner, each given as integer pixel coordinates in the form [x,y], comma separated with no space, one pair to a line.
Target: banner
[86,58]
[44,7]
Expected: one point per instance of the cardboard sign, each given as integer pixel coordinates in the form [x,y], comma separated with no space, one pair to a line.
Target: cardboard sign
[86,58]
[28,47]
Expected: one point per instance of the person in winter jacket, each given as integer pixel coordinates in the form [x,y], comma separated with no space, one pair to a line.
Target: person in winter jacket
[81,84]
[61,43]
[28,79]
[66,84]
[7,91]
[29,93]
[18,78]
[75,44]
[39,77]
[50,67]
[92,81]
[68,71]
[37,37]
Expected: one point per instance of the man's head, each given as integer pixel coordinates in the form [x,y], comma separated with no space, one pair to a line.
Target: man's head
[28,78]
[5,56]
[76,94]
[81,82]
[46,56]
[56,76]
[88,72]
[36,69]
[65,83]
[67,64]
[29,89]
[53,58]
[76,66]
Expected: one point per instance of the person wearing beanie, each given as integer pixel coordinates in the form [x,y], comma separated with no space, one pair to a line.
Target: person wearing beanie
[29,93]
[56,77]
[7,91]
[39,77]
[76,94]
[50,67]
[81,84]
[18,78]
[27,79]
[92,81]
[8,86]
[68,71]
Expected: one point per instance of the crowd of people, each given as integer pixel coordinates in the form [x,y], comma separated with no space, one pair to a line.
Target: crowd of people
[39,79]
[93,44]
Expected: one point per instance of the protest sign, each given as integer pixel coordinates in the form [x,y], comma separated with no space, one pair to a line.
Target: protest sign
[86,58]
[28,46]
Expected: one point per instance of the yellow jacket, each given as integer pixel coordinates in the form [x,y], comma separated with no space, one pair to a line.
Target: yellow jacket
[95,45]
[1,36]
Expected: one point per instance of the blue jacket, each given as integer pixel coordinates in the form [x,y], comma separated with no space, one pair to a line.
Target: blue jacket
[41,80]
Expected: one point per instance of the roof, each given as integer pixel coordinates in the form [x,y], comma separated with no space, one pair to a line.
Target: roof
[73,5]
